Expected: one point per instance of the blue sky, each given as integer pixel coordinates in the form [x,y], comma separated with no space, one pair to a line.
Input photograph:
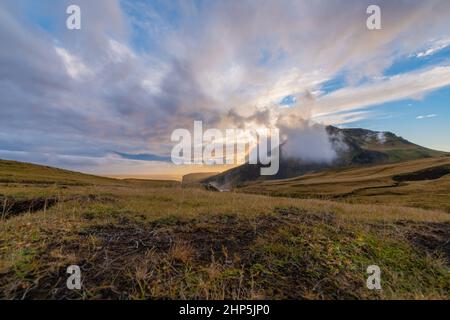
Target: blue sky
[405,119]
[424,120]
[105,99]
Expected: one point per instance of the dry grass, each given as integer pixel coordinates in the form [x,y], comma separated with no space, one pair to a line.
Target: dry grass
[181,253]
[144,241]
[382,184]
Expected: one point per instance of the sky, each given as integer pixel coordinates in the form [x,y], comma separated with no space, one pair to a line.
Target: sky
[105,99]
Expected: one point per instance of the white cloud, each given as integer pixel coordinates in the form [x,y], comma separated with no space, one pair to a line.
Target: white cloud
[94,92]
[399,87]
[435,47]
[74,66]
[426,116]
[120,52]
[343,118]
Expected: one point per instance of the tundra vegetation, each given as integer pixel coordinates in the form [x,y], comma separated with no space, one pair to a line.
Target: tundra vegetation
[267,240]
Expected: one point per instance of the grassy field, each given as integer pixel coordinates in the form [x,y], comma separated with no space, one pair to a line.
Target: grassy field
[421,183]
[159,240]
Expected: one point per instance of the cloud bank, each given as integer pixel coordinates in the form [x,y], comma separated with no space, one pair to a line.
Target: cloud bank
[140,69]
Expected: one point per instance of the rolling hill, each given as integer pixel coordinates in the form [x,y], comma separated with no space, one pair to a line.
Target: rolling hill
[156,240]
[423,183]
[26,187]
[20,172]
[361,148]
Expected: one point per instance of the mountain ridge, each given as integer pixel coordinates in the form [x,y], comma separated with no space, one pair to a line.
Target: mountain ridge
[362,147]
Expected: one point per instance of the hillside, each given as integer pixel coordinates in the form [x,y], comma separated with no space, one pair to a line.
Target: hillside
[421,183]
[26,187]
[20,172]
[361,147]
[143,240]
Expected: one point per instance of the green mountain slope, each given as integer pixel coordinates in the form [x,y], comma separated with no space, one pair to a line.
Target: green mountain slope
[361,147]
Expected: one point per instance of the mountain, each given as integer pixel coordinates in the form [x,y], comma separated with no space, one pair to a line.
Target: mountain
[354,147]
[423,183]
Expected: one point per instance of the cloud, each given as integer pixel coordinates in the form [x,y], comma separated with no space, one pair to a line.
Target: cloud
[138,70]
[74,67]
[143,157]
[426,116]
[381,136]
[307,141]
[398,87]
[435,47]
